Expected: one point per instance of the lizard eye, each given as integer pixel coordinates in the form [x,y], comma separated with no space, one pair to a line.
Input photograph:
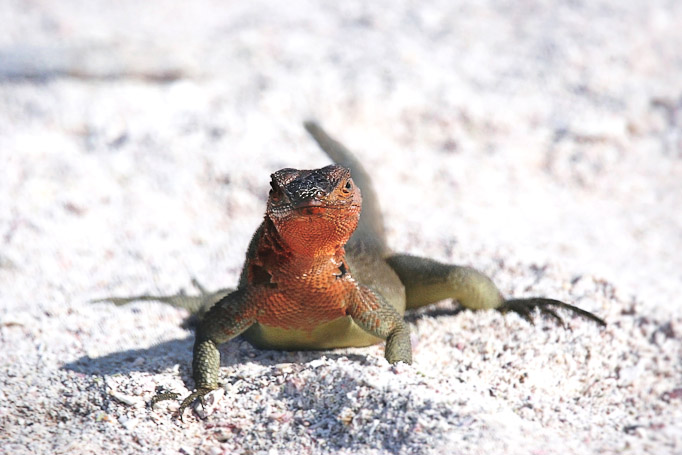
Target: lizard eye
[348,186]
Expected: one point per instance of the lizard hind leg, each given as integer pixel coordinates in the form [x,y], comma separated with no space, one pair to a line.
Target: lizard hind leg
[427,281]
[197,305]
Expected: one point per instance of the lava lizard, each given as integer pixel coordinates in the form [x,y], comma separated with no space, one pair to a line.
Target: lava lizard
[318,275]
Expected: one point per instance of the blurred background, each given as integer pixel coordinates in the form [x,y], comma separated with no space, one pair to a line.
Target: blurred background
[136,138]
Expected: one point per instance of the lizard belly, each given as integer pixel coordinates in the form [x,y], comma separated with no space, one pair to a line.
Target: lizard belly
[341,332]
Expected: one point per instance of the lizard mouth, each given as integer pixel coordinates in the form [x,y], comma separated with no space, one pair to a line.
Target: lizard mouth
[310,207]
[309,203]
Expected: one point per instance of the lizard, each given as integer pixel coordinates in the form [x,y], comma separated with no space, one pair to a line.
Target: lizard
[319,275]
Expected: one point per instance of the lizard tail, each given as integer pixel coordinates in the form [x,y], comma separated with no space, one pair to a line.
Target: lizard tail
[370,229]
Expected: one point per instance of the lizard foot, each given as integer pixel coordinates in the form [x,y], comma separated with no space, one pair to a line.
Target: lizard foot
[198,394]
[524,307]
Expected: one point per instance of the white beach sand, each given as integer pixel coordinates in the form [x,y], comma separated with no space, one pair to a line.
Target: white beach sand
[539,141]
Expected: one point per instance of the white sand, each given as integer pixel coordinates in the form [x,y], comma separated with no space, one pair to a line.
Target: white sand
[538,141]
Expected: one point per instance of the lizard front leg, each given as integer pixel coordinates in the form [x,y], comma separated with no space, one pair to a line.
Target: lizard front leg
[228,318]
[371,312]
[427,281]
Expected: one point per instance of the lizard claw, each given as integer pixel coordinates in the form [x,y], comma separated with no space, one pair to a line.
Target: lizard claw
[198,394]
[524,307]
[163,396]
[199,286]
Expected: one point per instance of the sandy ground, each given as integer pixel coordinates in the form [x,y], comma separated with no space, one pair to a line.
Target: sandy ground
[540,141]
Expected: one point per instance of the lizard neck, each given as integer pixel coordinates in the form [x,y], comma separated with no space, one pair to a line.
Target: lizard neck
[275,261]
[316,238]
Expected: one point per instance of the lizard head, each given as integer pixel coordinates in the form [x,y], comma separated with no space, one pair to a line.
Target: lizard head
[314,210]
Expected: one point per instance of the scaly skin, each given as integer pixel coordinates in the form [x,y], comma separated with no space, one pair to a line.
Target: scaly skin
[317,275]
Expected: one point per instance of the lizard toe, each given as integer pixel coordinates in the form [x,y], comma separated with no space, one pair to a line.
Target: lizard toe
[524,308]
[198,394]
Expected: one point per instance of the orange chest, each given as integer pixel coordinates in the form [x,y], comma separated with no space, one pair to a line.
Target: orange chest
[304,303]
